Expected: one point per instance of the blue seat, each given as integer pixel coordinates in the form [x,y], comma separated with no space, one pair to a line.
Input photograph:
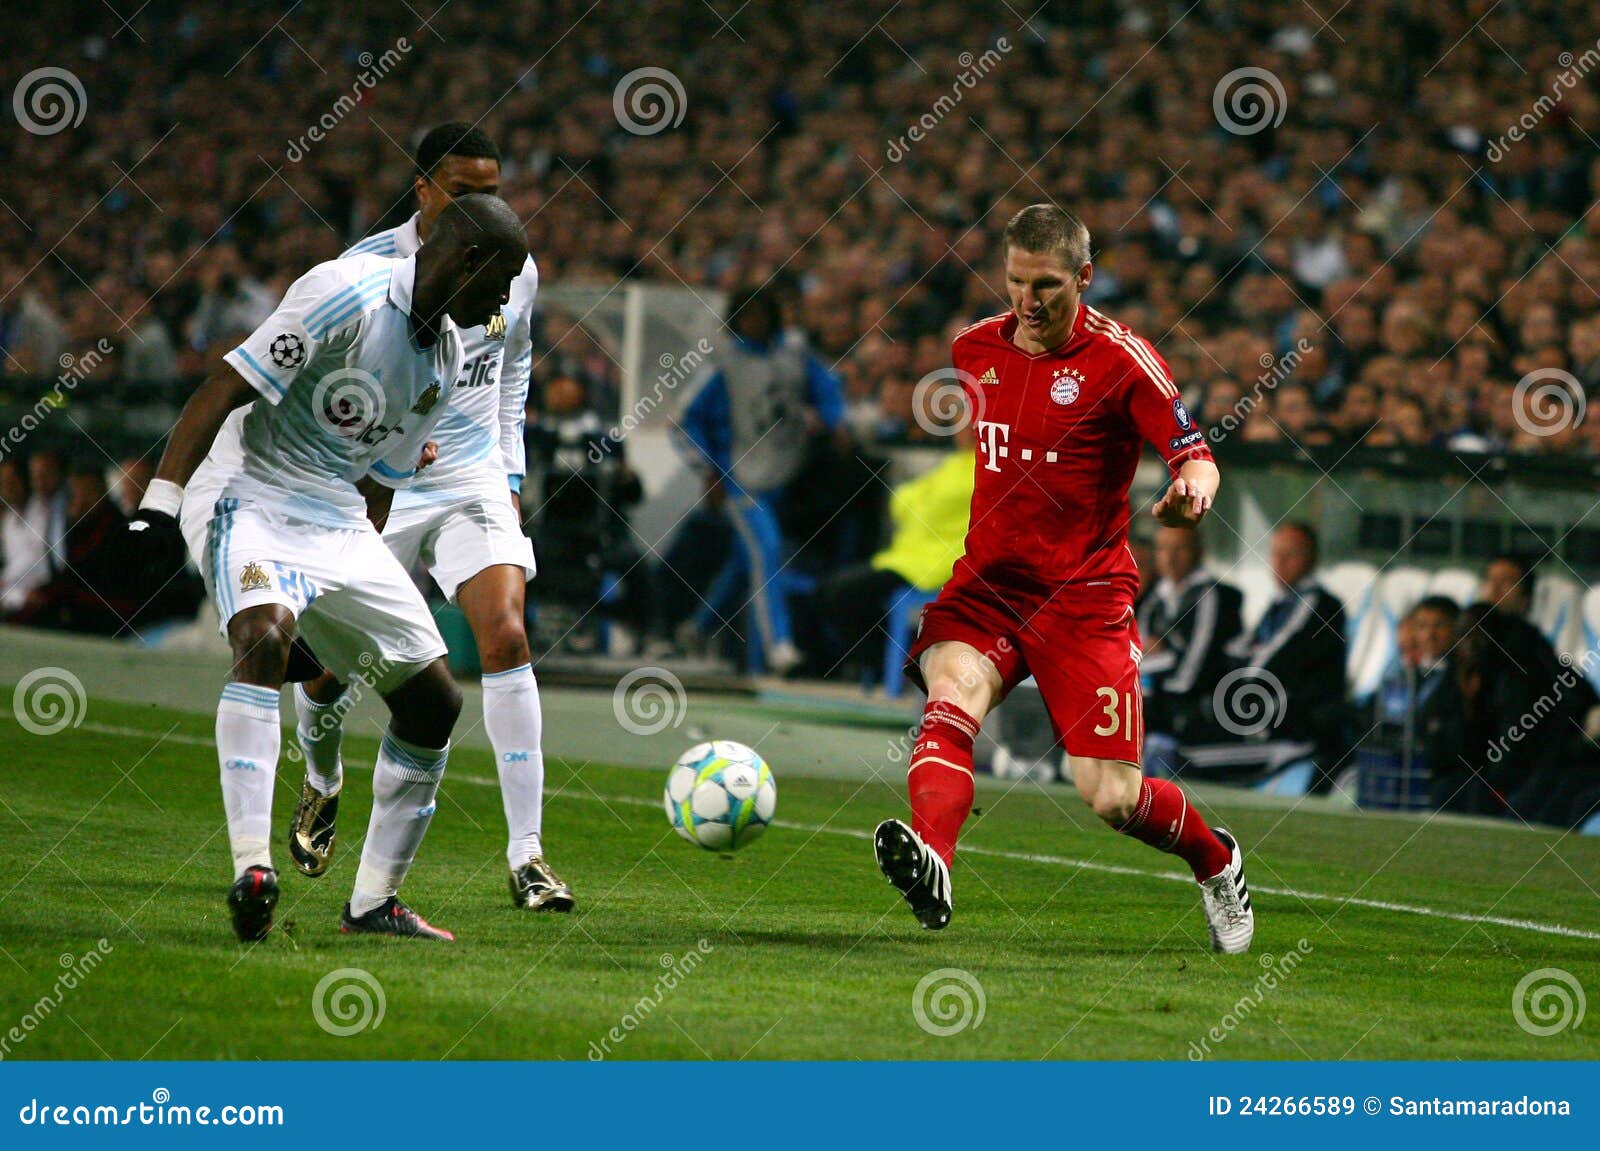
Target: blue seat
[902,608]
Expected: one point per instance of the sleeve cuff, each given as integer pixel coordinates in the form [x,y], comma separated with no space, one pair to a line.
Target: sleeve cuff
[255,374]
[388,477]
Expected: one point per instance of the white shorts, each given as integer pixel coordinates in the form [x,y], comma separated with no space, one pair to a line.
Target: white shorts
[353,601]
[457,540]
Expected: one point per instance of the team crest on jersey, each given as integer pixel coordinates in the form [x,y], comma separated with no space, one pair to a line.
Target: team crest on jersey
[426,400]
[1066,385]
[253,578]
[495,329]
[1181,414]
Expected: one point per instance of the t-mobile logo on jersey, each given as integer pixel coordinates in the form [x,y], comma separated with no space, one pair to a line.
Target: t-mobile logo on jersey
[992,439]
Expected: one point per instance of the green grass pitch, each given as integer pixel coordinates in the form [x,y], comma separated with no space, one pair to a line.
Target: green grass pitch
[113,830]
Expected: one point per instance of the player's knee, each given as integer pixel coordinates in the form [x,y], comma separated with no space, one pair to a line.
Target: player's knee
[1112,798]
[260,642]
[504,643]
[1113,806]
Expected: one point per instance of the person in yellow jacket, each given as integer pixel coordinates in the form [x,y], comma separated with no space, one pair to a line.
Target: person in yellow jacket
[928,517]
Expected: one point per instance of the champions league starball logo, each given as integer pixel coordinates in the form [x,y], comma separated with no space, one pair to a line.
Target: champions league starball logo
[287,350]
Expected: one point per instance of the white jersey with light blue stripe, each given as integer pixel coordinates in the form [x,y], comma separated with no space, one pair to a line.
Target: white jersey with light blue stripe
[480,433]
[347,393]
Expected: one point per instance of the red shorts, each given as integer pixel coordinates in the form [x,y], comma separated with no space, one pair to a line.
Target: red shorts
[1080,643]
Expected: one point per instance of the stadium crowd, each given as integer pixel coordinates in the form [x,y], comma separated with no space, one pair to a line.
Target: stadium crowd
[1426,259]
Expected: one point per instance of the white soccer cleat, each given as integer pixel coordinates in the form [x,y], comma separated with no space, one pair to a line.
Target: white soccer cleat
[1227,903]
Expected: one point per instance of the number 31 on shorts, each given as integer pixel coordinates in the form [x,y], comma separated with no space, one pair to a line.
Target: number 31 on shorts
[1118,709]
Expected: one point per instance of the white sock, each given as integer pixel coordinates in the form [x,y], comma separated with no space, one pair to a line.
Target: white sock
[247,750]
[320,727]
[404,784]
[514,721]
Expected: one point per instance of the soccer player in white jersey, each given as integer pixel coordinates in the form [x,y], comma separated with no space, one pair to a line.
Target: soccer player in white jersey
[355,367]
[462,519]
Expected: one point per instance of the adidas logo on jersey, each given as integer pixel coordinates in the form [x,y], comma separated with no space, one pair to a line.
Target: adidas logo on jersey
[989,377]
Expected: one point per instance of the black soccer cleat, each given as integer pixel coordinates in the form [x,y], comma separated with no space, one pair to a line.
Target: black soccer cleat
[312,833]
[915,870]
[536,887]
[251,900]
[391,917]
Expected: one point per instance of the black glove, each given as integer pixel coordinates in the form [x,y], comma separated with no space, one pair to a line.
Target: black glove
[155,546]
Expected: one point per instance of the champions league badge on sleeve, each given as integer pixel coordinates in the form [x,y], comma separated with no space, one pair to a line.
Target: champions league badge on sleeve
[1181,414]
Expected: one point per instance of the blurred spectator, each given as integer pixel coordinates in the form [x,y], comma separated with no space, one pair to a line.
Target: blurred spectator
[92,591]
[46,509]
[1186,623]
[1412,713]
[133,477]
[1284,701]
[24,550]
[929,526]
[1508,585]
[588,553]
[750,421]
[1521,750]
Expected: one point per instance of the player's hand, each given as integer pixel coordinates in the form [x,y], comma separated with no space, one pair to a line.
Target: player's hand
[429,456]
[1182,505]
[155,543]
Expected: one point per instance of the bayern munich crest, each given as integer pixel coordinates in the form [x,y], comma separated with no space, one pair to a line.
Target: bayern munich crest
[1066,385]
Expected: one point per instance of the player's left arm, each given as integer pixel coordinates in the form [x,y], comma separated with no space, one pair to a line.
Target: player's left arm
[826,395]
[516,365]
[1159,413]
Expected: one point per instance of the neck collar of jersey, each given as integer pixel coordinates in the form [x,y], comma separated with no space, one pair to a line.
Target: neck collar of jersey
[1008,332]
[408,237]
[403,283]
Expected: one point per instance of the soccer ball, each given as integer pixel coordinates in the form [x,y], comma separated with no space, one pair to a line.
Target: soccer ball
[720,795]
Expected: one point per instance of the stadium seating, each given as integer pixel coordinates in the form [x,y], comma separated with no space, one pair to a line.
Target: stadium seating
[1356,586]
[1557,611]
[1458,584]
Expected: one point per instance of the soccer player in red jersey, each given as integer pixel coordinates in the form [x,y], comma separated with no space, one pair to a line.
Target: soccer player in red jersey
[1062,399]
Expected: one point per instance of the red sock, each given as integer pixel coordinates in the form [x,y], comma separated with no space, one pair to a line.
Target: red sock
[1167,821]
[940,779]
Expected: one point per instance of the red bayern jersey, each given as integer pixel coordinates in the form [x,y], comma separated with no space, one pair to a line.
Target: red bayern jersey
[1059,437]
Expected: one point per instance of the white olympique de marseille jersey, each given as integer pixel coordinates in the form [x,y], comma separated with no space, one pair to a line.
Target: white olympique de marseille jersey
[480,433]
[348,393]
